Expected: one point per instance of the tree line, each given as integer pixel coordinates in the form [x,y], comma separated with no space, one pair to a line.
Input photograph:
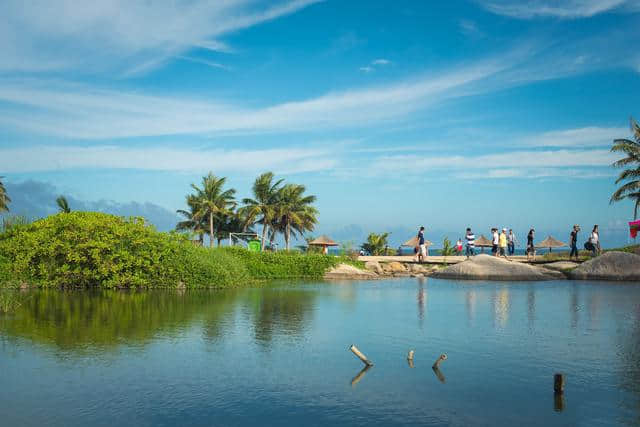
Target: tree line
[277,207]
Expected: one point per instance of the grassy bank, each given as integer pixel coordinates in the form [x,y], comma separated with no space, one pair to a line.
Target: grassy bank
[90,249]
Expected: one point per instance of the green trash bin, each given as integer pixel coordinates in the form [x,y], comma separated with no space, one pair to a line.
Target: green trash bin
[253,245]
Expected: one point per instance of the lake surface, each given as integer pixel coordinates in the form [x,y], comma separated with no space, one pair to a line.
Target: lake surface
[278,355]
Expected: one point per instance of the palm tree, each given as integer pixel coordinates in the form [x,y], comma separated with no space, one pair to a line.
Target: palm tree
[376,243]
[213,201]
[193,221]
[631,177]
[63,205]
[261,209]
[4,198]
[294,211]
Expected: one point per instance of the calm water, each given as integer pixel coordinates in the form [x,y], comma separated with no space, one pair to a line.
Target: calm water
[278,355]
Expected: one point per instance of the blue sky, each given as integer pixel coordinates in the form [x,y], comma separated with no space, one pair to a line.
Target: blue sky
[394,114]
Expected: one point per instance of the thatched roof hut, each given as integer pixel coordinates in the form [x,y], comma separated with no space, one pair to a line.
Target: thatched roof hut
[323,241]
[483,242]
[413,242]
[550,242]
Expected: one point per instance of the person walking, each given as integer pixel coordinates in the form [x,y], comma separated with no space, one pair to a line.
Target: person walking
[531,249]
[495,239]
[471,243]
[459,247]
[573,242]
[511,242]
[422,250]
[594,239]
[502,239]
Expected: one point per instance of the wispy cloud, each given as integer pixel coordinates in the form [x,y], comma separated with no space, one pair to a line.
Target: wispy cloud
[78,111]
[47,158]
[591,136]
[380,61]
[526,164]
[122,35]
[568,9]
[469,28]
[366,69]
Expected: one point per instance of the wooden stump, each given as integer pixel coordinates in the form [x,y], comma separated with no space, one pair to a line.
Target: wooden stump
[360,355]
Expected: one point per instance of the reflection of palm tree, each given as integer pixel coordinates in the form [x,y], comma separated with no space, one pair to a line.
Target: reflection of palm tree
[631,188]
[285,312]
[262,208]
[4,198]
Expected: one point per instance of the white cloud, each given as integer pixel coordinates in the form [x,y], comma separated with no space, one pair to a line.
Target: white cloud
[380,61]
[123,35]
[591,136]
[366,69]
[559,9]
[531,164]
[47,158]
[78,111]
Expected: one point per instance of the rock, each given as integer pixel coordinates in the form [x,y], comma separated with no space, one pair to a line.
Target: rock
[374,266]
[486,267]
[417,268]
[345,271]
[609,266]
[395,267]
[402,274]
[561,265]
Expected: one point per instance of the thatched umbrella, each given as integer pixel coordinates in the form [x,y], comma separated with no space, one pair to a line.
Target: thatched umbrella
[550,242]
[323,241]
[483,242]
[413,242]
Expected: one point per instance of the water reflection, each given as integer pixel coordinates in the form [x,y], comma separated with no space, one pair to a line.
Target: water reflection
[421,298]
[355,380]
[574,306]
[470,299]
[283,311]
[501,306]
[531,308]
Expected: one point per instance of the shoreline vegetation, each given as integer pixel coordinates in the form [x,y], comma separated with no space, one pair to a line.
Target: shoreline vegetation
[91,249]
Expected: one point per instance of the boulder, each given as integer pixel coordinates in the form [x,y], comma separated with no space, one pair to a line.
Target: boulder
[609,266]
[561,265]
[417,268]
[346,271]
[486,267]
[374,266]
[395,267]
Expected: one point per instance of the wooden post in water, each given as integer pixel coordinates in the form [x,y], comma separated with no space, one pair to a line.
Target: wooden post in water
[558,383]
[410,355]
[436,364]
[439,374]
[360,355]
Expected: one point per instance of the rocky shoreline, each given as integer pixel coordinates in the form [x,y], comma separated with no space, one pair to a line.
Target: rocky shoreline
[611,266]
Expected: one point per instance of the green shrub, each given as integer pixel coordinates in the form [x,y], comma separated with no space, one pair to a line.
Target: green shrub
[91,249]
[282,265]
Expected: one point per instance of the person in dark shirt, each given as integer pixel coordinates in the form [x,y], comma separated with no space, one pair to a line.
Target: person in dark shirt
[422,251]
[531,249]
[573,243]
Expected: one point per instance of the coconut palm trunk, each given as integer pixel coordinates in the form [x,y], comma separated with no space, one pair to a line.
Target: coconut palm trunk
[264,235]
[210,229]
[287,236]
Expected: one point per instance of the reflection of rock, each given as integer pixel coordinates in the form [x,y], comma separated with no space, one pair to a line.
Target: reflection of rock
[486,267]
[609,266]
[345,271]
[374,266]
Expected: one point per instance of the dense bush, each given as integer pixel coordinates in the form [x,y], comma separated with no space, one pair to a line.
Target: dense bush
[90,248]
[86,249]
[282,265]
